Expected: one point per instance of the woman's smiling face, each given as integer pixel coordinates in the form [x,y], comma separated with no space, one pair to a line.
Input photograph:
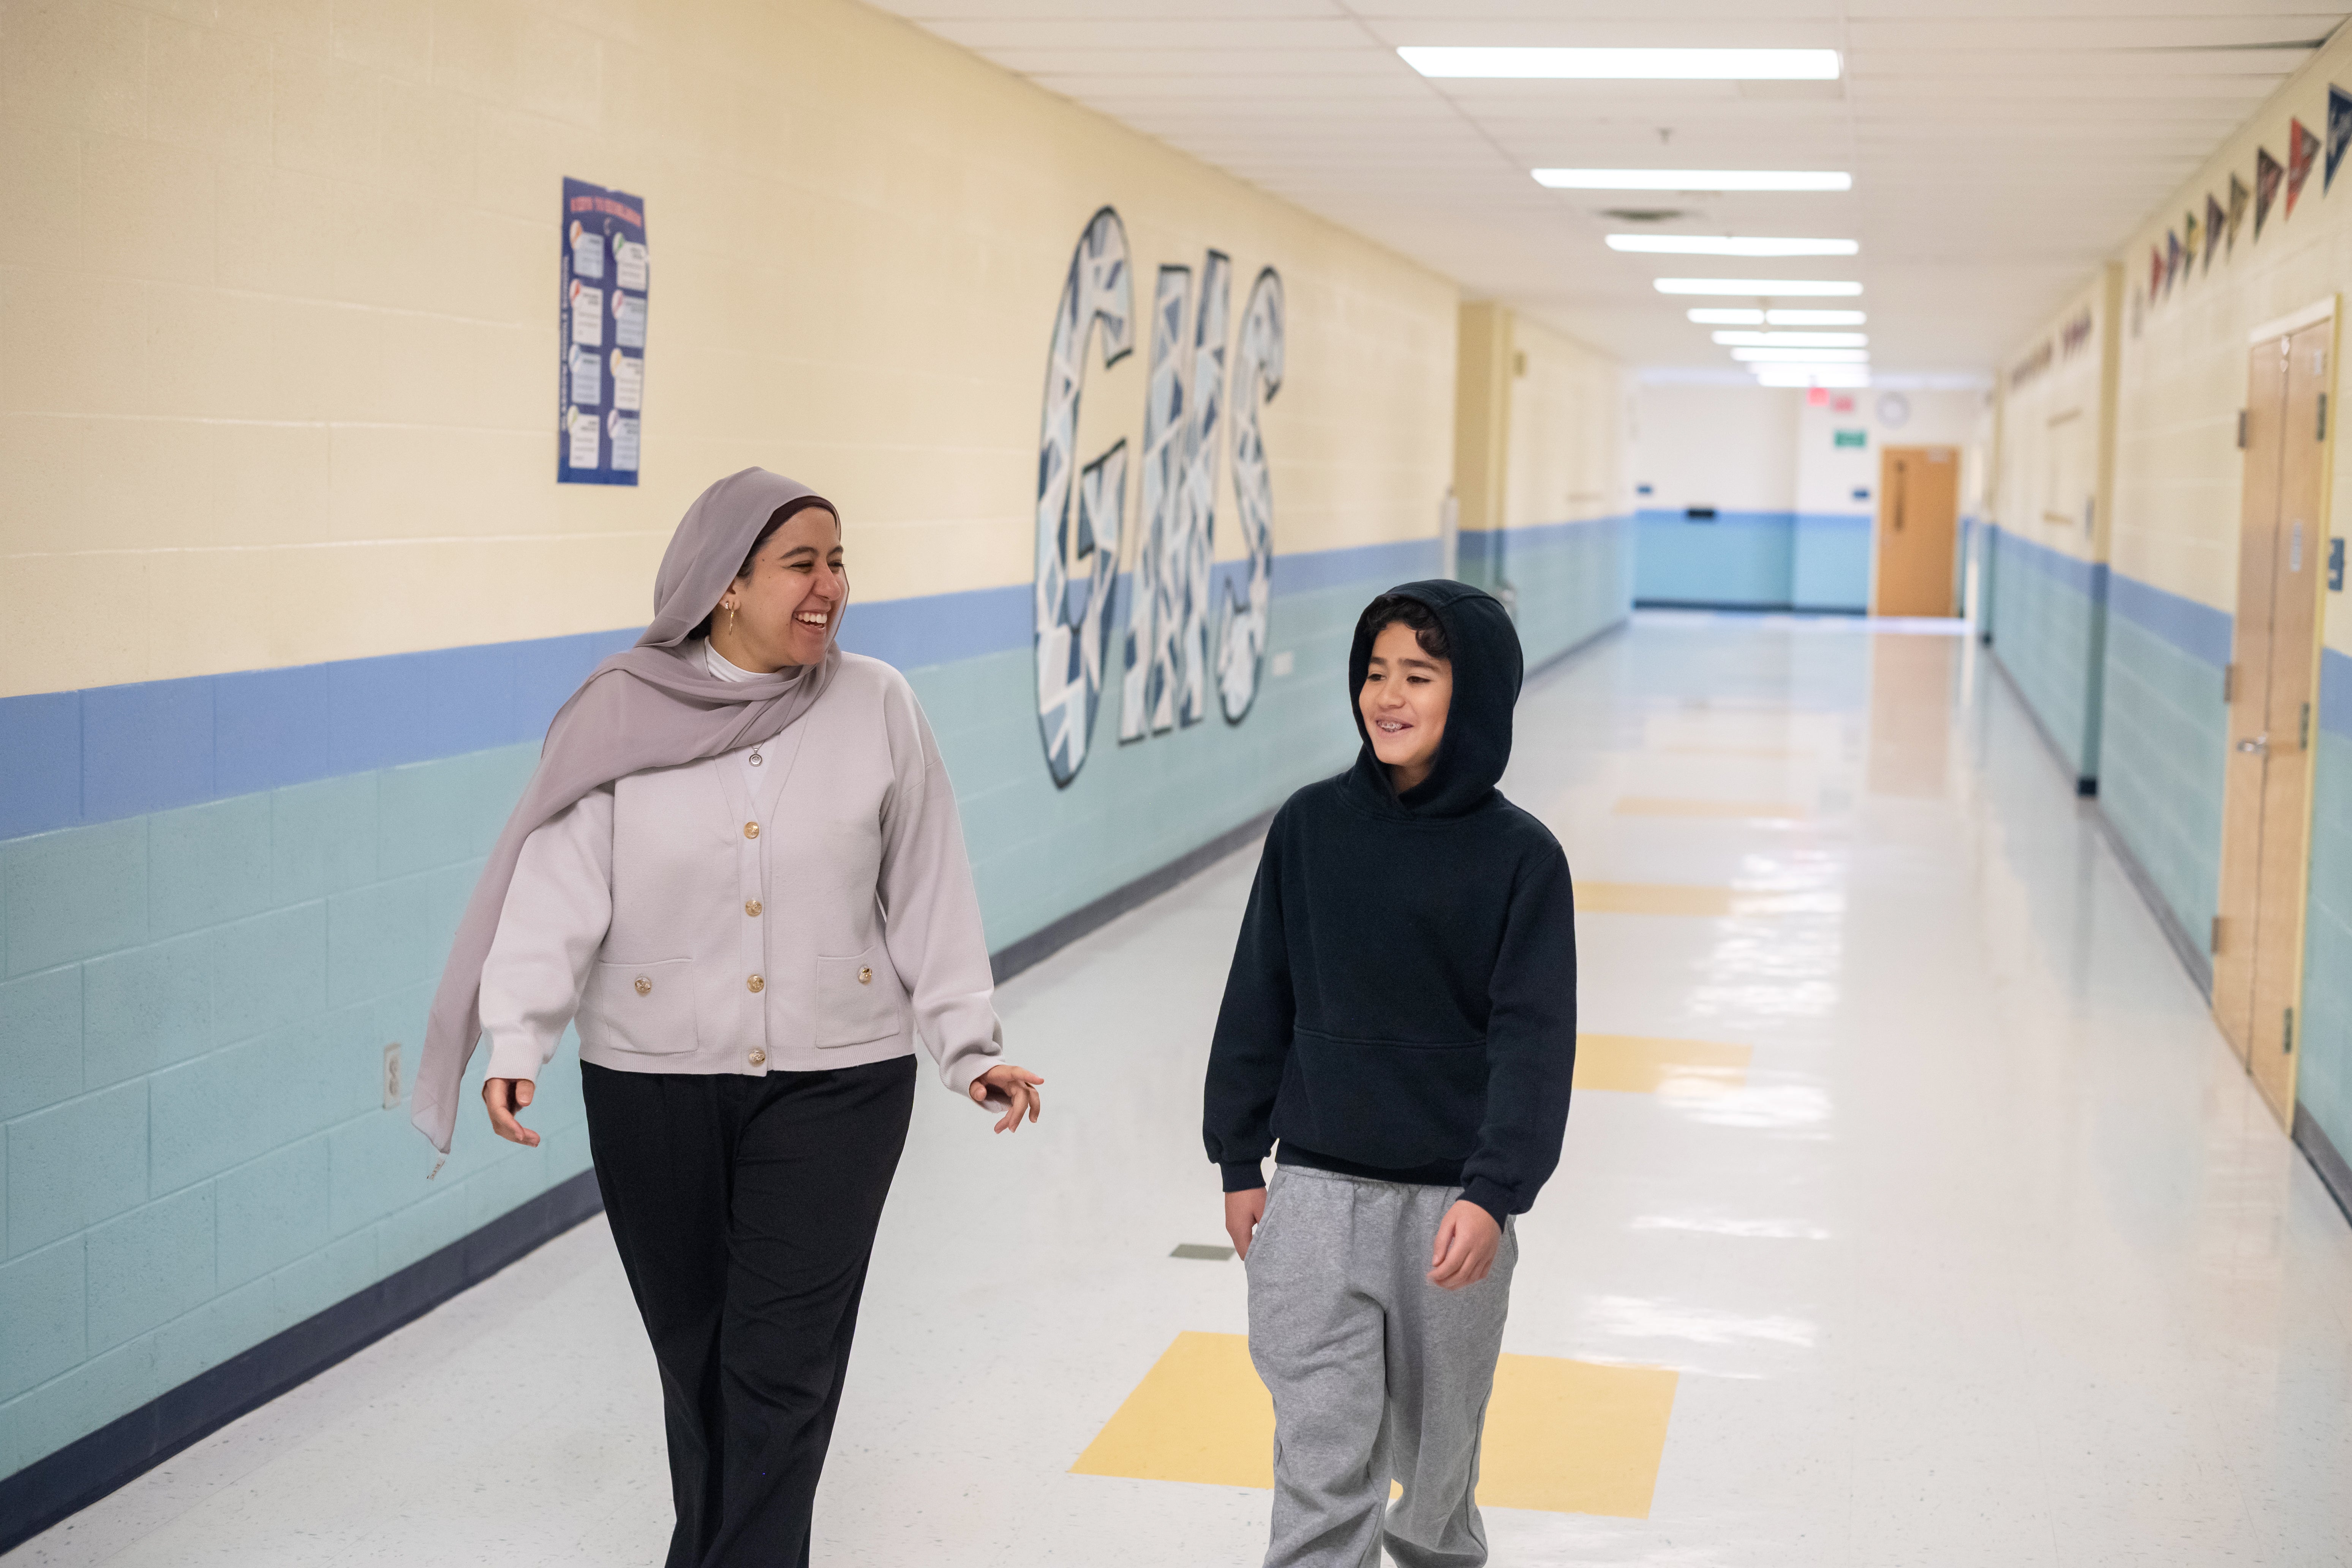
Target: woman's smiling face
[785,609]
[1406,694]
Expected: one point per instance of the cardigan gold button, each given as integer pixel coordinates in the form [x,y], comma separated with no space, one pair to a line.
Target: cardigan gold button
[751,908]
[751,830]
[756,983]
[865,978]
[759,1059]
[644,986]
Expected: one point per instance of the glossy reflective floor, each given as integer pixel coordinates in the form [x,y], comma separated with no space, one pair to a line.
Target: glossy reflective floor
[1912,1152]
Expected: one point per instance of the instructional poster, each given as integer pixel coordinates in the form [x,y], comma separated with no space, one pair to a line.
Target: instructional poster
[601,337]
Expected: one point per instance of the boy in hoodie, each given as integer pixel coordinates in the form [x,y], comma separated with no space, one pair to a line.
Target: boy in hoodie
[1400,1019]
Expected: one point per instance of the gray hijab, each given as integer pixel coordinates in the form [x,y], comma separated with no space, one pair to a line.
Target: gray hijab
[652,706]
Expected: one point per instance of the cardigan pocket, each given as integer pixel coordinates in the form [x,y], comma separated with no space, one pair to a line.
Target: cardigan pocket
[858,999]
[643,1007]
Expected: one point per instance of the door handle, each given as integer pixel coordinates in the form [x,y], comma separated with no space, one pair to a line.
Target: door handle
[2259,745]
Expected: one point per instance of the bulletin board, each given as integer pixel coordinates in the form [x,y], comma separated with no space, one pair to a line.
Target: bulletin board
[600,370]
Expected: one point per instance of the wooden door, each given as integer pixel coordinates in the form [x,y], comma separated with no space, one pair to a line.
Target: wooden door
[2272,682]
[1918,515]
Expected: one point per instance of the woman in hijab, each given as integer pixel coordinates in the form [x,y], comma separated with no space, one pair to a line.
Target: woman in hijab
[739,869]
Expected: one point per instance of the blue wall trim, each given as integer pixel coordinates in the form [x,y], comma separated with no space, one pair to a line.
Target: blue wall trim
[2336,694]
[2088,578]
[1474,548]
[2198,630]
[68,758]
[72,758]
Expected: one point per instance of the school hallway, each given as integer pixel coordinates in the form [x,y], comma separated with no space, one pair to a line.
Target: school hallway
[1912,1210]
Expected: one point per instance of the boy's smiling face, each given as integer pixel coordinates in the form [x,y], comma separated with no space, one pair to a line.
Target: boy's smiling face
[1406,694]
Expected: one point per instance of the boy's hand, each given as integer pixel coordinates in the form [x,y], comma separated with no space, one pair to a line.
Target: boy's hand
[1467,1238]
[1243,1211]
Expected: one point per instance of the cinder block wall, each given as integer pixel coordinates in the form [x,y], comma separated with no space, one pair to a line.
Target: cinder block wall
[2164,550]
[289,593]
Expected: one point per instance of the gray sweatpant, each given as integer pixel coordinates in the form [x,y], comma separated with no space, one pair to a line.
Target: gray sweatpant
[1376,1373]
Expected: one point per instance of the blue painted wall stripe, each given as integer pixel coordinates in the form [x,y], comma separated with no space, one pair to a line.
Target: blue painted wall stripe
[2199,630]
[2088,578]
[1474,548]
[2336,694]
[71,758]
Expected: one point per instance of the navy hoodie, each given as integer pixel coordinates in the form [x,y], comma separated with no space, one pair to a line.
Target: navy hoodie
[1402,1000]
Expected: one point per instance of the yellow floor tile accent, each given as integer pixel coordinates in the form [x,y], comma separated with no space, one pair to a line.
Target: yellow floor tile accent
[1199,1414]
[1640,1063]
[1575,1436]
[1565,1437]
[1651,898]
[1746,810]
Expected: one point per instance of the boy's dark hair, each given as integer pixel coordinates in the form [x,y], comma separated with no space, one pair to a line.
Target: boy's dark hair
[1390,608]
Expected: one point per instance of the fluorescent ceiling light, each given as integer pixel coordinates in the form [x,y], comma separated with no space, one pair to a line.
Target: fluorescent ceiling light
[1825,376]
[1729,245]
[1625,65]
[1694,179]
[1815,317]
[1768,287]
[1794,339]
[1727,315]
[1802,356]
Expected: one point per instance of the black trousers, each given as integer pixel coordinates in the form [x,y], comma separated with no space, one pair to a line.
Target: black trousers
[744,1210]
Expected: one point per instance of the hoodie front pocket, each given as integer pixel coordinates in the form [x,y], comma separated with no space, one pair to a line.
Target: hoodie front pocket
[1378,1103]
[858,999]
[645,1007]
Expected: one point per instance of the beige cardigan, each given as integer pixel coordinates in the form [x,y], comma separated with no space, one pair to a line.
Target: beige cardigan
[815,911]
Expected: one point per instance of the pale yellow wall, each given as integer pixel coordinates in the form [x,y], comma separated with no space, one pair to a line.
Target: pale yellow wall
[2047,487]
[278,327]
[2182,376]
[1567,451]
[1481,415]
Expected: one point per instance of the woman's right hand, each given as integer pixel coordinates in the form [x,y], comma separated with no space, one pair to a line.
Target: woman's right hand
[505,1095]
[1244,1211]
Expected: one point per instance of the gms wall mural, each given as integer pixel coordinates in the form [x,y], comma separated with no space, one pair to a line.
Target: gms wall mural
[1172,641]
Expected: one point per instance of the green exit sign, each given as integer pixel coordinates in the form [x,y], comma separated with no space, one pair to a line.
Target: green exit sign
[1852,437]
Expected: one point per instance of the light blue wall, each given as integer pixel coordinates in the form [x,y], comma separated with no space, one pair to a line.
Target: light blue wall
[219,902]
[2324,1078]
[1569,581]
[192,1029]
[1828,567]
[1735,559]
[2049,620]
[2164,740]
[1754,560]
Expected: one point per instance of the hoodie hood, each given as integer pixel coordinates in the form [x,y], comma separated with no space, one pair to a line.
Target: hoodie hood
[1487,670]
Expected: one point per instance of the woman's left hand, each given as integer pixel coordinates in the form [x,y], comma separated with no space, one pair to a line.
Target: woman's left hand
[1018,1086]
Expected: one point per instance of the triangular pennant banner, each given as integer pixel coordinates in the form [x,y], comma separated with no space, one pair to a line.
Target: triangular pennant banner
[2268,174]
[2237,209]
[2301,152]
[2154,270]
[2191,225]
[2213,221]
[2340,130]
[2171,259]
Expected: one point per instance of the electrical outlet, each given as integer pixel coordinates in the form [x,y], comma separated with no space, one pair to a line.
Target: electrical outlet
[392,1076]
[1283,663]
